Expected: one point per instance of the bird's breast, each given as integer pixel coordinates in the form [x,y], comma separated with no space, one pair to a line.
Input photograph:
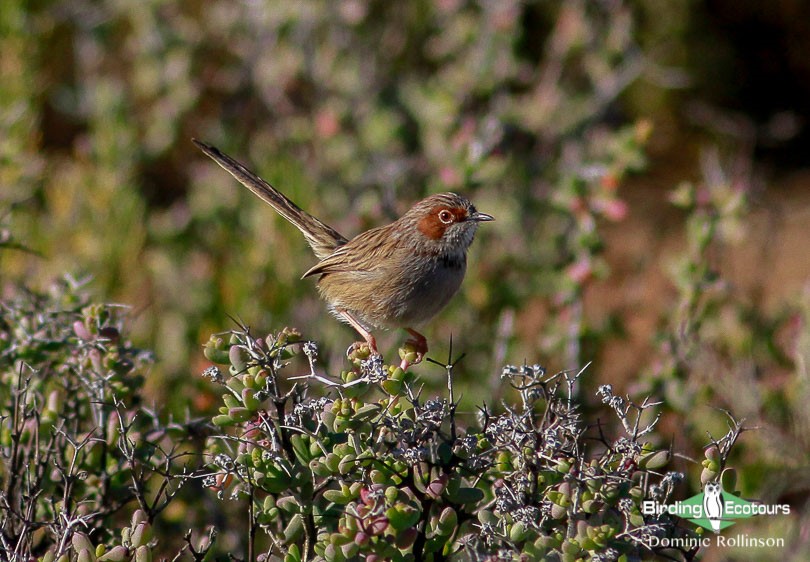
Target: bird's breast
[430,285]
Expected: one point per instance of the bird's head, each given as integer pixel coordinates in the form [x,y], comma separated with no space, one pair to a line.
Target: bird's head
[446,222]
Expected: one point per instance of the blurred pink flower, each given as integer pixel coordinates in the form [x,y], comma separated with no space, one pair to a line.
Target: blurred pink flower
[615,209]
[580,270]
[450,176]
[327,123]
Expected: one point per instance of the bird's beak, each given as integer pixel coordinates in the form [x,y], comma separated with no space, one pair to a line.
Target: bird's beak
[480,217]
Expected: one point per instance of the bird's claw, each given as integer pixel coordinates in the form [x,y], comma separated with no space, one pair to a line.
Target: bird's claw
[419,345]
[357,346]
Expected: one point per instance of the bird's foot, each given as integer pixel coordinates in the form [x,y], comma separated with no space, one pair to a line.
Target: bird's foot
[369,339]
[358,346]
[419,349]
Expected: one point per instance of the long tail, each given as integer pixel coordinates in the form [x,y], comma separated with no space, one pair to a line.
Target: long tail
[322,238]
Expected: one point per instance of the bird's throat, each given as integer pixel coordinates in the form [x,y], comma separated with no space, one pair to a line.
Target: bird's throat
[453,260]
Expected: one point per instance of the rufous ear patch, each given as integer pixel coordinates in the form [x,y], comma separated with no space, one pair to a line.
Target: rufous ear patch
[436,221]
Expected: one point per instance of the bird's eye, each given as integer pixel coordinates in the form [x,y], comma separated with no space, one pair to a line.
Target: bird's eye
[445,216]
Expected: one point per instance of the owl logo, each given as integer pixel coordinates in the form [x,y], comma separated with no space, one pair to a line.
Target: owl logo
[713,504]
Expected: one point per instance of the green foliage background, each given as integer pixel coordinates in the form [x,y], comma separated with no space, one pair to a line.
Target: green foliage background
[355,110]
[539,111]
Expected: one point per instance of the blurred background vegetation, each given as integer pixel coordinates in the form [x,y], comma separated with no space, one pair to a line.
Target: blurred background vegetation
[646,162]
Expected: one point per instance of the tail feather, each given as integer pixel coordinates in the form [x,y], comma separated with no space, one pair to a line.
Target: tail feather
[322,238]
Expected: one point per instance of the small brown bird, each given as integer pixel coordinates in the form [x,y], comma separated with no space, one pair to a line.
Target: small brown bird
[398,275]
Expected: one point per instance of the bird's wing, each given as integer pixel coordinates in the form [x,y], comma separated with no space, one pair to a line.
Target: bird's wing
[365,252]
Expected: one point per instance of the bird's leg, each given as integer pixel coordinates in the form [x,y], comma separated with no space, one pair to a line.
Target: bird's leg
[372,343]
[420,343]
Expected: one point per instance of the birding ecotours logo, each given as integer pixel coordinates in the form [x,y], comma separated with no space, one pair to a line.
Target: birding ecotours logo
[714,509]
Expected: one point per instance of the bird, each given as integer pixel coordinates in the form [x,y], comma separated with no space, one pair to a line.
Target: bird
[399,275]
[713,504]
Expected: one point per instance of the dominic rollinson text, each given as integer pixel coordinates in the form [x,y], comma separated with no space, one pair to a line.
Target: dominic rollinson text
[738,541]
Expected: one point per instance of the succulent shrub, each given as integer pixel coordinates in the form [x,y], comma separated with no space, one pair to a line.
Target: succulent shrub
[369,468]
[84,469]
